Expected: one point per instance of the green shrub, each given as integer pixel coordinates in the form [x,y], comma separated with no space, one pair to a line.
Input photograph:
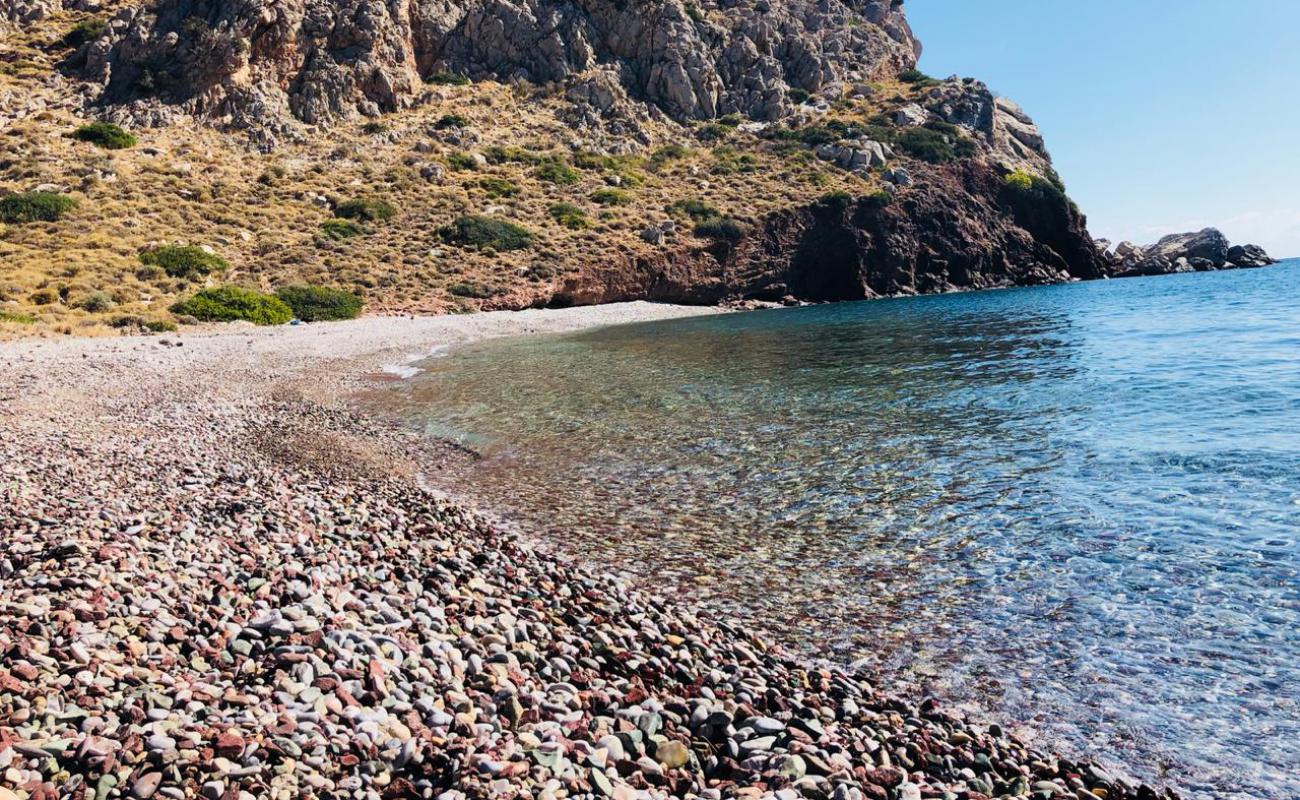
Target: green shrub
[696,210]
[84,31]
[319,303]
[916,76]
[515,155]
[712,132]
[365,210]
[558,173]
[462,162]
[486,232]
[451,121]
[498,187]
[722,229]
[17,317]
[339,229]
[731,120]
[569,215]
[927,145]
[375,128]
[611,197]
[183,261]
[799,96]
[837,198]
[668,153]
[96,302]
[105,135]
[34,207]
[695,14]
[584,159]
[230,303]
[475,291]
[134,321]
[1024,184]
[449,79]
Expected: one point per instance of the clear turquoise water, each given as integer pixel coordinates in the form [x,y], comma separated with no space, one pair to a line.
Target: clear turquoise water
[1077,507]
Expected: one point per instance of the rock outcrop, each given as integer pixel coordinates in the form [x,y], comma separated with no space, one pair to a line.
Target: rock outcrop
[261,61]
[959,229]
[1199,251]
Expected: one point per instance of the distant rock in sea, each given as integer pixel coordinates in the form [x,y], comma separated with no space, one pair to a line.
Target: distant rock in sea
[1200,251]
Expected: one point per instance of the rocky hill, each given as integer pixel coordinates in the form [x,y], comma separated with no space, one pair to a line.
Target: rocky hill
[446,155]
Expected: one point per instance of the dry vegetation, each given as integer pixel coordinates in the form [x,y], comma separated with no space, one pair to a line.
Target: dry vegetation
[263,213]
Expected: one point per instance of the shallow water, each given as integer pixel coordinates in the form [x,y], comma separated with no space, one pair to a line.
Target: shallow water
[1076,506]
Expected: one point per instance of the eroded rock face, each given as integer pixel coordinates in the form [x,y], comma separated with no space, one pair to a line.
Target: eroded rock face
[957,229]
[321,60]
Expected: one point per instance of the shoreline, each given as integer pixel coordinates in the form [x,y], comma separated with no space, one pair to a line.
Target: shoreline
[221,580]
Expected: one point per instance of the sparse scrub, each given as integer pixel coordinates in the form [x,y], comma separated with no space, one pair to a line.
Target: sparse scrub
[233,303]
[96,302]
[17,209]
[482,233]
[17,317]
[320,303]
[183,261]
[105,135]
[473,291]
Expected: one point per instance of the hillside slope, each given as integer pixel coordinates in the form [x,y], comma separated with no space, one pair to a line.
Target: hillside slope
[697,152]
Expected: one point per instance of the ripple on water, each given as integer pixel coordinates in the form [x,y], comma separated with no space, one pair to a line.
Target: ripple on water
[1076,505]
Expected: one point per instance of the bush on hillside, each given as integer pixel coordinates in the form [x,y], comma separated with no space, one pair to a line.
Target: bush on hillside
[320,303]
[338,229]
[462,162]
[232,303]
[610,197]
[486,232]
[451,121]
[84,31]
[365,210]
[96,302]
[916,76]
[17,317]
[449,79]
[105,135]
[569,215]
[722,229]
[696,210]
[498,187]
[183,261]
[558,173]
[16,209]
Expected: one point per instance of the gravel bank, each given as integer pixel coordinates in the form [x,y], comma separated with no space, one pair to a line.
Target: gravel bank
[218,581]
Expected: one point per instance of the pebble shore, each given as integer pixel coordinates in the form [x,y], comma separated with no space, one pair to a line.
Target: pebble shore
[219,581]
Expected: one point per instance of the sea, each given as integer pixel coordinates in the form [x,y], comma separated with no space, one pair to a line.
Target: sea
[1074,509]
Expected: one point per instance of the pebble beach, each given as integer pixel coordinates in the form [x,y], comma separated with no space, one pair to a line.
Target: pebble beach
[220,578]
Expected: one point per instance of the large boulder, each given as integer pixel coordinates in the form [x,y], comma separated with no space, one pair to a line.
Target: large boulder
[1249,255]
[1209,244]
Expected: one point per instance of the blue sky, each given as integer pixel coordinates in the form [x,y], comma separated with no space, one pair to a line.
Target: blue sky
[1162,115]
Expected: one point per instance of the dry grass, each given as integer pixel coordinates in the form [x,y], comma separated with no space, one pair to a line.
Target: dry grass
[194,185]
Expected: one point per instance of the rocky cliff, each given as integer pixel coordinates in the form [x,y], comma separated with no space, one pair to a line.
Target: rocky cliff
[256,63]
